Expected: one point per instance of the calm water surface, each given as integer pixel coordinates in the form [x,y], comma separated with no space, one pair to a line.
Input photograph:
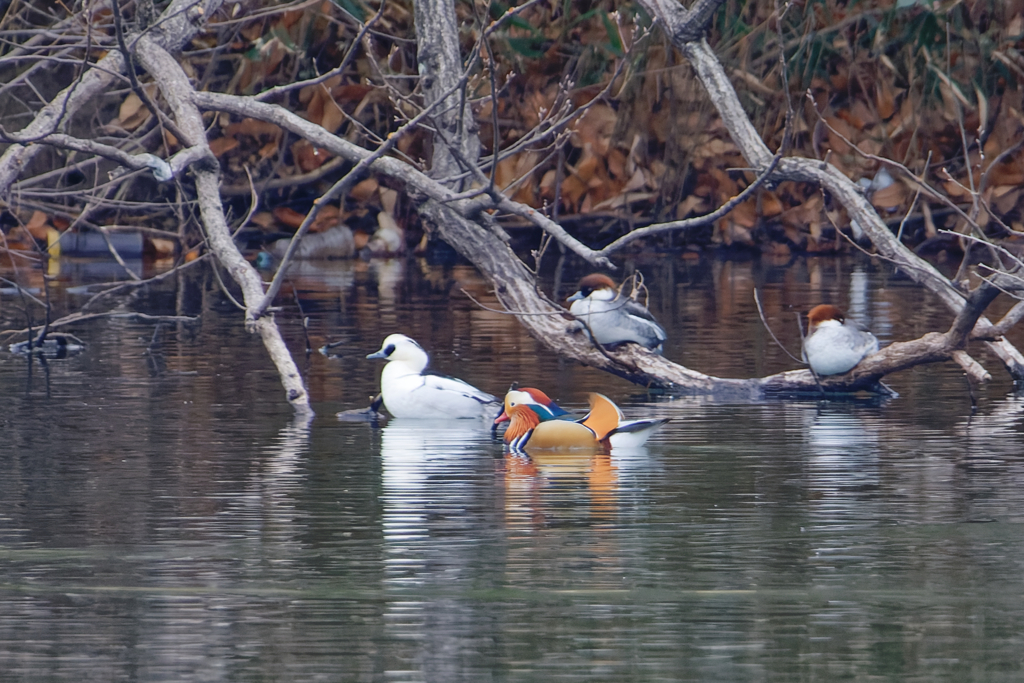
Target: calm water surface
[161,519]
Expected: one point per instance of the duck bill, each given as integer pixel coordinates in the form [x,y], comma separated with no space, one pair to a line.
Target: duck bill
[578,296]
[502,417]
[379,354]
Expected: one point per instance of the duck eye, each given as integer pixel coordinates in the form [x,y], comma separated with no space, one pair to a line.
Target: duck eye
[389,349]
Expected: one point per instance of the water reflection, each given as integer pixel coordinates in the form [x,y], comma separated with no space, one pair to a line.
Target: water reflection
[176,526]
[843,463]
[559,488]
[436,479]
[429,473]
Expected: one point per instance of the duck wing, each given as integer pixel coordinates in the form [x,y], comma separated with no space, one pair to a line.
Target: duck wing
[638,310]
[437,382]
[634,433]
[604,416]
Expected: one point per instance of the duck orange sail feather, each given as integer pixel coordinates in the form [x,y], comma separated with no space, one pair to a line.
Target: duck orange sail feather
[603,417]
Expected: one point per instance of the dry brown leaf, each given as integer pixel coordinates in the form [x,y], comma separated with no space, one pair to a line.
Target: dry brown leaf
[1007,174]
[132,112]
[1005,198]
[836,143]
[253,128]
[547,184]
[268,150]
[624,200]
[333,116]
[160,247]
[771,205]
[326,218]
[289,217]
[588,204]
[885,98]
[131,106]
[36,220]
[956,190]
[859,115]
[351,92]
[364,190]
[221,145]
[307,157]
[587,167]
[170,140]
[637,182]
[745,214]
[262,219]
[889,197]
[572,191]
[617,163]
[688,206]
[388,200]
[595,129]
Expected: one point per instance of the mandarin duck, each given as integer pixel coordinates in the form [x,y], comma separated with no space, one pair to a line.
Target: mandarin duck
[604,418]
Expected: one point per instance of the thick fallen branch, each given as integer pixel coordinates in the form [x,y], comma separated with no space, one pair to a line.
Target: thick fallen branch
[722,94]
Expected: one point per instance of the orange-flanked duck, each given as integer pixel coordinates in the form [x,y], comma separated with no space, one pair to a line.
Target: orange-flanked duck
[538,421]
[835,345]
[527,431]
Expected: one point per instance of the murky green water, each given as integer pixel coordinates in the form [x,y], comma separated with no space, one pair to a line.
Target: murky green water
[162,520]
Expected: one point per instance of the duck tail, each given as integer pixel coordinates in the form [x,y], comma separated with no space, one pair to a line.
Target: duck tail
[603,417]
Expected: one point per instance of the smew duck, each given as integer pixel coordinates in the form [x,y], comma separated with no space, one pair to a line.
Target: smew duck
[411,392]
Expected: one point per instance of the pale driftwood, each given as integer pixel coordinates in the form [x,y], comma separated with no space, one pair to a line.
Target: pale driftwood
[176,89]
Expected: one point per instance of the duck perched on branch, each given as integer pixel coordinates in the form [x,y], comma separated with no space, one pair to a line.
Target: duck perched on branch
[834,345]
[613,318]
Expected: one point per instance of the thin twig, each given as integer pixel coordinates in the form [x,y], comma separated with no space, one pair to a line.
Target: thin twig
[760,312]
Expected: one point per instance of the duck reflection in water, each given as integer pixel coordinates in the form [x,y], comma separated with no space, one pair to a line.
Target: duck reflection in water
[544,488]
[437,486]
[843,467]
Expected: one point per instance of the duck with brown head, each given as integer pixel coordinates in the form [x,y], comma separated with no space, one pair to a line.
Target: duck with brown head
[612,317]
[834,345]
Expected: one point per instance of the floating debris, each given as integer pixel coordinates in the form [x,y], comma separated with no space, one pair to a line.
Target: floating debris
[54,347]
[370,414]
[327,349]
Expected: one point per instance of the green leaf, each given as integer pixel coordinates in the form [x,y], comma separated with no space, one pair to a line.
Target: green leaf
[614,40]
[353,7]
[528,47]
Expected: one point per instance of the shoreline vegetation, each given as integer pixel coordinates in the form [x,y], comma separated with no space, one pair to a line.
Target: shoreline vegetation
[262,132]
